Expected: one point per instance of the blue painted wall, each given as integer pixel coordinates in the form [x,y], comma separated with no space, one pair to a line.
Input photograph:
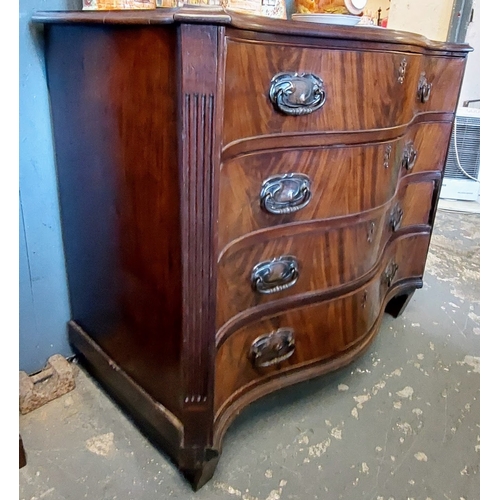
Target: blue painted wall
[43,298]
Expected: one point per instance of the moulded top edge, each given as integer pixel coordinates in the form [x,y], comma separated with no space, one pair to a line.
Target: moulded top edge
[218,15]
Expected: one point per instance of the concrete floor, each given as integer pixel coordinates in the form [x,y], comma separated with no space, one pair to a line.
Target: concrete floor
[400,423]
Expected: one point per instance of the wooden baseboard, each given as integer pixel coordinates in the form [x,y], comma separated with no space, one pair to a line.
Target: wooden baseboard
[159,424]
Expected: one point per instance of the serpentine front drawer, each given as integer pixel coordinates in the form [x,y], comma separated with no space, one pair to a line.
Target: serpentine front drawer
[310,258]
[335,90]
[313,257]
[272,188]
[269,189]
[327,332]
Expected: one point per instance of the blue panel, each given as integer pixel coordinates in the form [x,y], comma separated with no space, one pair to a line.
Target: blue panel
[43,297]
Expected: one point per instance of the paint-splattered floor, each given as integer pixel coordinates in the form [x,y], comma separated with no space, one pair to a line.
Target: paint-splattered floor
[400,423]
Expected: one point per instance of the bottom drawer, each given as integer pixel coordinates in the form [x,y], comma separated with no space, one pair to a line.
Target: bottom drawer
[273,346]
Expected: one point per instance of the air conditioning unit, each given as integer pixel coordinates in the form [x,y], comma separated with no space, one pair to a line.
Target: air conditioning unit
[461,171]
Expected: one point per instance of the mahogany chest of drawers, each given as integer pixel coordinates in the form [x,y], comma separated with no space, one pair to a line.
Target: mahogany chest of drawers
[241,201]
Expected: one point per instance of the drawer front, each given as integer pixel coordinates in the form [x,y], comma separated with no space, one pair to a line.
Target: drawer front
[359,90]
[405,259]
[316,259]
[319,332]
[423,148]
[254,354]
[439,84]
[265,190]
[412,206]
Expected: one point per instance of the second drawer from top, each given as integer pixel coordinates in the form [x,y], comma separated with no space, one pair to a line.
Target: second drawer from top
[268,189]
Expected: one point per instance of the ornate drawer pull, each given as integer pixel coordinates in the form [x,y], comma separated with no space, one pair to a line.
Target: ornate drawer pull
[396,217]
[390,273]
[272,348]
[284,194]
[409,156]
[275,275]
[297,94]
[424,89]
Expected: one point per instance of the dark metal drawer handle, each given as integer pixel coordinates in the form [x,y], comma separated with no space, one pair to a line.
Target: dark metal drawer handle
[409,156]
[396,217]
[297,94]
[390,273]
[284,194]
[272,348]
[424,89]
[275,275]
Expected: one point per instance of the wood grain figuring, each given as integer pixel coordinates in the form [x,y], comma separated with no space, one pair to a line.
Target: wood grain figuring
[248,111]
[326,259]
[279,305]
[111,96]
[345,174]
[322,331]
[339,37]
[355,177]
[328,256]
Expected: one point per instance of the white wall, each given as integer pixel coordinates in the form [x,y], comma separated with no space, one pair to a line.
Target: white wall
[372,7]
[470,87]
[430,18]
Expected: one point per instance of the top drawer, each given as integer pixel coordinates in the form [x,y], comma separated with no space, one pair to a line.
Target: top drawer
[362,90]
[438,86]
[341,90]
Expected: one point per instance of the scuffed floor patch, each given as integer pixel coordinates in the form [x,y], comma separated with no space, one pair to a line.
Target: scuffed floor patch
[101,445]
[472,361]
